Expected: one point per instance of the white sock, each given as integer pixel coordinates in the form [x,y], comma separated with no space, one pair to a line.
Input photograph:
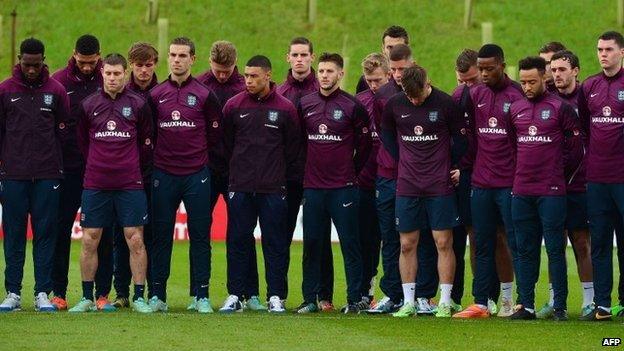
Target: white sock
[409,289]
[507,291]
[552,295]
[588,293]
[445,293]
[371,291]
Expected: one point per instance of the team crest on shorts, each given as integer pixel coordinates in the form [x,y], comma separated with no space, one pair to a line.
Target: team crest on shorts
[433,116]
[506,107]
[337,115]
[191,100]
[47,99]
[545,114]
[156,183]
[126,111]
[272,116]
[231,194]
[621,95]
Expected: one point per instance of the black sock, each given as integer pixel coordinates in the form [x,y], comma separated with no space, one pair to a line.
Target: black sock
[139,291]
[202,291]
[87,290]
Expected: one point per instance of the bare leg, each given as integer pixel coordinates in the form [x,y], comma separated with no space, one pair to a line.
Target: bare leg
[408,263]
[88,253]
[138,255]
[446,257]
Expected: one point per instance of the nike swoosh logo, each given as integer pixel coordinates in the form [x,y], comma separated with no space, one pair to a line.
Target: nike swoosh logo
[347,204]
[310,113]
[13,100]
[145,217]
[520,115]
[592,95]
[602,317]
[244,115]
[161,101]
[204,180]
[204,286]
[96,113]
[56,186]
[480,105]
[404,116]
[457,219]
[70,92]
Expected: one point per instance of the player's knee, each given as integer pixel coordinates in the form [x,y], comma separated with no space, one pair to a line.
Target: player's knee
[408,245]
[444,243]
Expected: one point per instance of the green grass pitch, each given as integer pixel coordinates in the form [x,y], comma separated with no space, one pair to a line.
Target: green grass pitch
[182,330]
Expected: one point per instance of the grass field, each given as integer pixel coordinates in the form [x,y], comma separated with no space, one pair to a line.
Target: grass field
[260,27]
[181,330]
[352,28]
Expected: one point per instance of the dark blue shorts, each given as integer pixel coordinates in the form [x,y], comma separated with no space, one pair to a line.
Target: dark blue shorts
[576,217]
[104,208]
[421,212]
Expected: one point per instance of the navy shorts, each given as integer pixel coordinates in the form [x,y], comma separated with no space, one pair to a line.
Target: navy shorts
[104,208]
[421,212]
[576,217]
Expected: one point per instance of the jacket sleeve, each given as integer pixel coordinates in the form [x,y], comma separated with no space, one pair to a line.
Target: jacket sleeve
[228,131]
[293,142]
[154,116]
[574,150]
[467,105]
[213,115]
[82,131]
[388,133]
[583,112]
[144,136]
[2,121]
[299,168]
[457,129]
[511,131]
[363,141]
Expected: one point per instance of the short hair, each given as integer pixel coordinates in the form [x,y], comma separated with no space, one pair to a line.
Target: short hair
[301,41]
[87,45]
[142,52]
[414,80]
[32,46]
[223,53]
[115,59]
[400,52]
[567,55]
[492,50]
[374,61]
[465,60]
[532,62]
[395,32]
[332,57]
[259,61]
[552,46]
[613,35]
[184,41]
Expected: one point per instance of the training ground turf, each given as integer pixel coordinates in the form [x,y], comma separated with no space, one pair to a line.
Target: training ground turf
[181,330]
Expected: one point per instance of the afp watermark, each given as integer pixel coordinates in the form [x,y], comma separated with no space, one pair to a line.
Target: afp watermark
[611,342]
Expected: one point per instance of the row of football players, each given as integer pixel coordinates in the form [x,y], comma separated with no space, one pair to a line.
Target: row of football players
[447,167]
